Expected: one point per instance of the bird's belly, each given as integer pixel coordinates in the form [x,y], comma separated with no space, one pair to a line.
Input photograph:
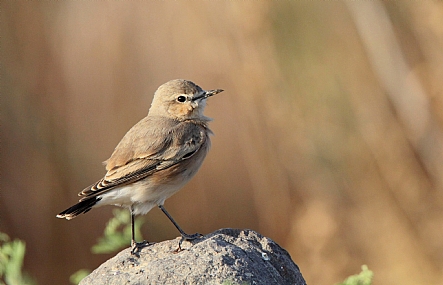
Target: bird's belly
[143,195]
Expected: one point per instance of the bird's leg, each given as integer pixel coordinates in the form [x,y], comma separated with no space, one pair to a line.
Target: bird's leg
[136,246]
[184,235]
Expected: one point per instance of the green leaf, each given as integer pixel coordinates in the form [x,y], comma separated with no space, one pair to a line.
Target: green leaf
[78,276]
[363,278]
[12,254]
[118,233]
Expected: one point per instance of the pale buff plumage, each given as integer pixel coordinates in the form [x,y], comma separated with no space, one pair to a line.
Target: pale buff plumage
[156,157]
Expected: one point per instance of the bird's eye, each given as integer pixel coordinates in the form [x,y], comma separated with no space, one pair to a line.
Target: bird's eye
[181,99]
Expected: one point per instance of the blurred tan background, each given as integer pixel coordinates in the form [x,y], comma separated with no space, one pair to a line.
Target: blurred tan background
[328,135]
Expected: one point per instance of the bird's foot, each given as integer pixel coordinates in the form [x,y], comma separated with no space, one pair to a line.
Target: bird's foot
[137,246]
[187,238]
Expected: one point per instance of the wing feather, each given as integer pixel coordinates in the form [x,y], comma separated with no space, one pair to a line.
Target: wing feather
[160,144]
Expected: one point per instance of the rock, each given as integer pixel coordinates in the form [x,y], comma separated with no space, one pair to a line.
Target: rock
[226,256]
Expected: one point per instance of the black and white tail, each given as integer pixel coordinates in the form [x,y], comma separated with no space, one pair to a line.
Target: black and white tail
[79,208]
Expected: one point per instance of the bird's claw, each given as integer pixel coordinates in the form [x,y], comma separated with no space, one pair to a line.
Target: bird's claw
[137,246]
[187,238]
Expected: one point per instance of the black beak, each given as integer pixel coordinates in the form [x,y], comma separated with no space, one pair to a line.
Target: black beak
[207,94]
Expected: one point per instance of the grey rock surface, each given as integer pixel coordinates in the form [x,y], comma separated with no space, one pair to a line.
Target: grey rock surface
[226,256]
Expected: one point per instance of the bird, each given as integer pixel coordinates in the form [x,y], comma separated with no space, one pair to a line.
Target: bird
[155,158]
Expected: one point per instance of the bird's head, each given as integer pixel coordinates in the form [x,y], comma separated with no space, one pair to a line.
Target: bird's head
[180,99]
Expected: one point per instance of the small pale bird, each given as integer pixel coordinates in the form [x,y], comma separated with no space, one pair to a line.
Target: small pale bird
[155,158]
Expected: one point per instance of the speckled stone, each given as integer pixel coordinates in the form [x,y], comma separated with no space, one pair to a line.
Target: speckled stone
[226,256]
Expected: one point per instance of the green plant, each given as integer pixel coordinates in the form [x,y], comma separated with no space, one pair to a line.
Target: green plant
[117,233]
[11,262]
[116,236]
[78,276]
[363,278]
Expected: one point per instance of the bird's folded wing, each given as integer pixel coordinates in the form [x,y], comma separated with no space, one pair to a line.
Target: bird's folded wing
[131,172]
[175,147]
